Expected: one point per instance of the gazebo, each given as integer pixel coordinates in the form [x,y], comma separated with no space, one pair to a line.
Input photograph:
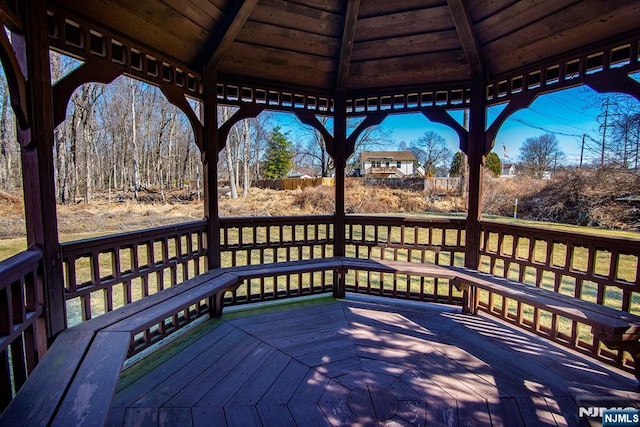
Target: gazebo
[343,59]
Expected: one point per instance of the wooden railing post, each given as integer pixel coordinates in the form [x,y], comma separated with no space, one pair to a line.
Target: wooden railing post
[475,155]
[210,167]
[340,160]
[32,51]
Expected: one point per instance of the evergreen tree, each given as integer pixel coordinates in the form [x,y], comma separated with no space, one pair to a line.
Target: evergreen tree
[278,156]
[457,165]
[494,164]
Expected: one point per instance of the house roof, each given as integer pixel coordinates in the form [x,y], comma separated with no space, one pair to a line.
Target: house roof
[387,155]
[355,45]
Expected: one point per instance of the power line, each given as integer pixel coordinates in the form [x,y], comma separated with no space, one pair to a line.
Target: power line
[567,106]
[550,117]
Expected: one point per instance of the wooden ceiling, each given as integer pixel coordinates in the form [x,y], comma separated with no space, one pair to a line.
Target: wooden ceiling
[359,45]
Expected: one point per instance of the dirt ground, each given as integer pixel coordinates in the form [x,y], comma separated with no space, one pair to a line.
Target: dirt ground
[104,217]
[586,198]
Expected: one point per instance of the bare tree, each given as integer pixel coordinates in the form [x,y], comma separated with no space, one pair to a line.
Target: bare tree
[9,155]
[431,152]
[540,154]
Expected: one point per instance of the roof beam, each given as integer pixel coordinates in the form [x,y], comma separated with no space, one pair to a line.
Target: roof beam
[464,27]
[348,35]
[229,30]
[9,16]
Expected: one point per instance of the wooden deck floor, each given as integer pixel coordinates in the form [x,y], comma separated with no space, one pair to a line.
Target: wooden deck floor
[361,362]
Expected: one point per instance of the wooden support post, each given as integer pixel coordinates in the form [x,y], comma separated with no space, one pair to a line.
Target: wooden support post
[210,167]
[340,160]
[32,51]
[475,155]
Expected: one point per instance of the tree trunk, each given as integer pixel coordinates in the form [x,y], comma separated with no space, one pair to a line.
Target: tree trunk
[134,143]
[245,159]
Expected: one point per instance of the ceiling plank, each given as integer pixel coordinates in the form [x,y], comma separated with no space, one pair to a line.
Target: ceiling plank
[228,32]
[348,36]
[464,26]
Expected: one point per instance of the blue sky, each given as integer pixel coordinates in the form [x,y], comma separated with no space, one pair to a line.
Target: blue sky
[568,114]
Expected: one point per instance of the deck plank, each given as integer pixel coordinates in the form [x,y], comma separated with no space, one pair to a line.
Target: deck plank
[170,378]
[138,416]
[242,416]
[208,416]
[223,390]
[442,412]
[169,417]
[258,384]
[285,385]
[366,363]
[179,367]
[334,405]
[308,415]
[534,411]
[275,415]
[207,379]
[504,412]
[413,412]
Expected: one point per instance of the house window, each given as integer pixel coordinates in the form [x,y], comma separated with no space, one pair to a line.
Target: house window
[387,164]
[398,164]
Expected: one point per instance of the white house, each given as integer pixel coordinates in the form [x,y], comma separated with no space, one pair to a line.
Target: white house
[508,170]
[387,164]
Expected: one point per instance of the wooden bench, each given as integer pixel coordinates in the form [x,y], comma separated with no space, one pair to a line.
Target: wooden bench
[75,381]
[616,329]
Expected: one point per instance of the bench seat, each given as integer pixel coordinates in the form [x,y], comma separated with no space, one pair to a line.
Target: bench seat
[616,329]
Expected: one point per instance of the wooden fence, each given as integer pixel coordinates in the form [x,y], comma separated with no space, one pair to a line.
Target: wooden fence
[293,183]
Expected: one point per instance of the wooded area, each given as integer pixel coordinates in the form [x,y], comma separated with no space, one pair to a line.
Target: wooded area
[126,136]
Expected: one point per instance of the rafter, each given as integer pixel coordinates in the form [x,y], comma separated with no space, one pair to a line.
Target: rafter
[348,35]
[9,15]
[464,27]
[228,32]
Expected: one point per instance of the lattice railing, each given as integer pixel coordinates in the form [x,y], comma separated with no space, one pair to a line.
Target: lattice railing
[22,324]
[403,101]
[410,239]
[250,241]
[84,40]
[600,269]
[105,273]
[566,72]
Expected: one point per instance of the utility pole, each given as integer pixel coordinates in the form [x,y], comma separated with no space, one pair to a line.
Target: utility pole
[584,135]
[604,129]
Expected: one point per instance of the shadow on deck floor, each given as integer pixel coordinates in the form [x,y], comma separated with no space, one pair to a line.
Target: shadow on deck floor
[362,361]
